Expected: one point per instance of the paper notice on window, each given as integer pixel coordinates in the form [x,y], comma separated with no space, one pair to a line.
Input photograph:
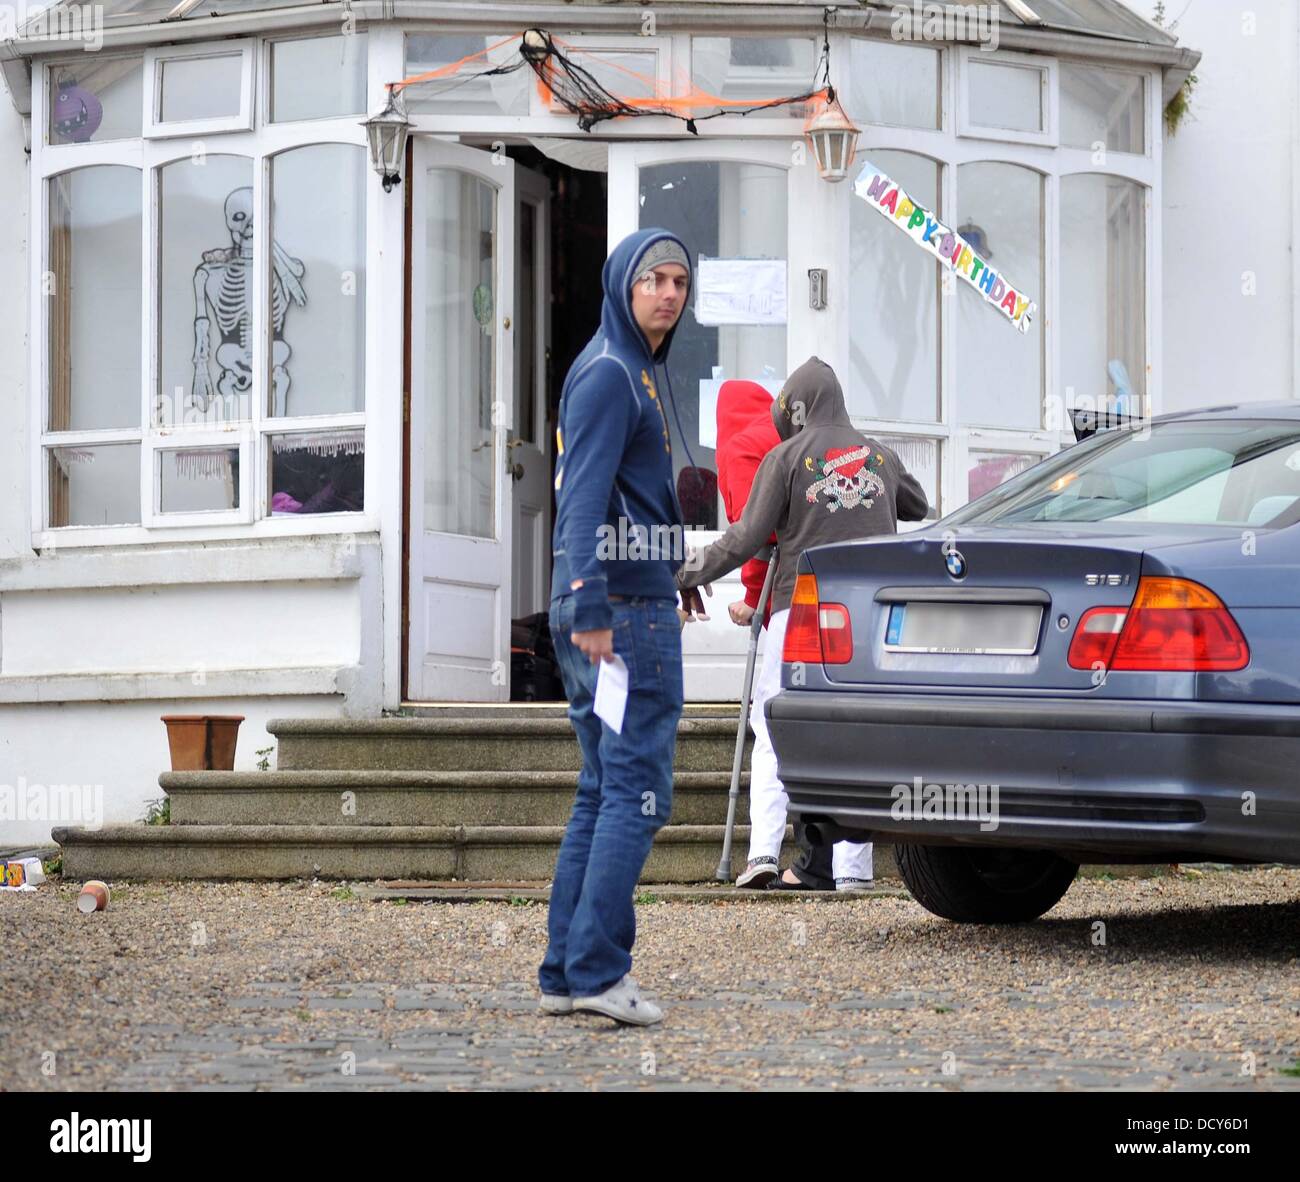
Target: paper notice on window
[611,693]
[710,391]
[740,291]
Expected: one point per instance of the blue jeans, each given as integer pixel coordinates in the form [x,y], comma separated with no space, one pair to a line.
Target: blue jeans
[625,794]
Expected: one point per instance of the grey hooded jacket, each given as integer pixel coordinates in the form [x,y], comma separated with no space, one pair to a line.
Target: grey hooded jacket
[825,482]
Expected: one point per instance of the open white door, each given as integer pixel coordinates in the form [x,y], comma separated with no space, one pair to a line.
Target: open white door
[742,200]
[462,370]
[530,442]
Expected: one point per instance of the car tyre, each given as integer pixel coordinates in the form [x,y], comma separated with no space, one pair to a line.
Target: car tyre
[984,885]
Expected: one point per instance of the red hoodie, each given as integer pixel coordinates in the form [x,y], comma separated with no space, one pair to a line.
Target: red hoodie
[745,435]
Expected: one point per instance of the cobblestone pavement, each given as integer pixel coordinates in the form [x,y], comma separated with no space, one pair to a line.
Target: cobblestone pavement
[299,986]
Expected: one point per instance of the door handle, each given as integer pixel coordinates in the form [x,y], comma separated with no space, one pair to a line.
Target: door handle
[516,472]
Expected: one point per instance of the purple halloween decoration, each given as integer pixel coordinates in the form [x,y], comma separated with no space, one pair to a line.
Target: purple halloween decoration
[77,112]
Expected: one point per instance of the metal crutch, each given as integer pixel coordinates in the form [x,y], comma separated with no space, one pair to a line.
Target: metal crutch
[755,627]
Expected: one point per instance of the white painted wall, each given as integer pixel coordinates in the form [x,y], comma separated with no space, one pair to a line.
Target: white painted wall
[1232,209]
[107,757]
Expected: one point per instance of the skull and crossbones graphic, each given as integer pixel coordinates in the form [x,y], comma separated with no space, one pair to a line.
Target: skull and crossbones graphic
[845,478]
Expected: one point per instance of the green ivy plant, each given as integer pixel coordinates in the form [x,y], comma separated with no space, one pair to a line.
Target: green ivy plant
[1177,108]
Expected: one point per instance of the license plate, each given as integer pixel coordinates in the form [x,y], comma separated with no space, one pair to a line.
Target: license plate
[981,629]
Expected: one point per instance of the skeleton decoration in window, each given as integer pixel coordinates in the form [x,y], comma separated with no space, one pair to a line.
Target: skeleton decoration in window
[223,282]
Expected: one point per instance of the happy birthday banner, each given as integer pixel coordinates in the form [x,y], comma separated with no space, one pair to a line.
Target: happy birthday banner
[888,199]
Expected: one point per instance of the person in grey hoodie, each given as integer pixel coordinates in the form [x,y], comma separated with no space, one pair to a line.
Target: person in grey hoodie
[825,482]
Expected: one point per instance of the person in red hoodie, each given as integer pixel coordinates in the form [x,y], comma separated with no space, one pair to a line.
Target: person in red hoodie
[746,434]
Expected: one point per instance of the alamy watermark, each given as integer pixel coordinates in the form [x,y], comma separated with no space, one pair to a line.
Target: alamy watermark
[629,541]
[81,804]
[919,21]
[53,22]
[919,801]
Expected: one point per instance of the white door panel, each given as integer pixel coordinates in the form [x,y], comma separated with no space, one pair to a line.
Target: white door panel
[462,293]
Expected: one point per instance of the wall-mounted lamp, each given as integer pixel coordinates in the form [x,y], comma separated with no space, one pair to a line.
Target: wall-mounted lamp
[388,132]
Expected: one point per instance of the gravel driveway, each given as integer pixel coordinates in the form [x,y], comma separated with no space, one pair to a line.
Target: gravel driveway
[297,985]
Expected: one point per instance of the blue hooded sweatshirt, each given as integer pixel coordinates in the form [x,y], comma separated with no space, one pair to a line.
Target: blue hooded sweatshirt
[618,524]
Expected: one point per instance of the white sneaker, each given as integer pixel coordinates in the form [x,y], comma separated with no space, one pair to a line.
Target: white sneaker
[758,873]
[556,1003]
[855,884]
[622,1002]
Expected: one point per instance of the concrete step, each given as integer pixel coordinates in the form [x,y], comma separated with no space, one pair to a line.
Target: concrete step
[538,710]
[704,744]
[138,853]
[352,798]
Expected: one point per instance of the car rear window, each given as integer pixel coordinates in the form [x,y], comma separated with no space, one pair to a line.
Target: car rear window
[1220,472]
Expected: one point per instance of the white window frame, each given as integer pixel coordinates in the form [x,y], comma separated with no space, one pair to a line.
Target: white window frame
[266,77]
[953,148]
[235,436]
[851,82]
[154,59]
[1142,76]
[100,59]
[1049,137]
[148,155]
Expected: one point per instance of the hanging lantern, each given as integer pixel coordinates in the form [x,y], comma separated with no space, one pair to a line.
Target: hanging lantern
[388,132]
[833,139]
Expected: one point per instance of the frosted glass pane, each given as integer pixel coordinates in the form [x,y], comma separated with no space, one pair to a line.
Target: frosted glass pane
[1102,107]
[1008,97]
[205,305]
[752,69]
[894,291]
[999,374]
[894,84]
[201,88]
[1103,293]
[463,91]
[95,100]
[199,480]
[921,457]
[318,280]
[460,460]
[94,485]
[317,77]
[94,306]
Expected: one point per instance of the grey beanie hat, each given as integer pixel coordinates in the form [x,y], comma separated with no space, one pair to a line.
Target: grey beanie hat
[662,250]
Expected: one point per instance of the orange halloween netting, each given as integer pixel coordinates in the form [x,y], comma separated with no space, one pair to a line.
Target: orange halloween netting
[562,81]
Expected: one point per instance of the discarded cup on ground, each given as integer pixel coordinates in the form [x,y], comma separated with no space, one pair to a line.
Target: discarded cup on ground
[93,897]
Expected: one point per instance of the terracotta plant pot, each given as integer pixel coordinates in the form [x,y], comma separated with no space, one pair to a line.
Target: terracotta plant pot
[202,742]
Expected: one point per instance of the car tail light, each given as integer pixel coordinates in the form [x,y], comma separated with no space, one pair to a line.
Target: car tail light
[816,633]
[1096,637]
[1172,626]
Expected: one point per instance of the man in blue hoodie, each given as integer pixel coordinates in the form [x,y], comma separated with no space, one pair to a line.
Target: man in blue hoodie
[617,547]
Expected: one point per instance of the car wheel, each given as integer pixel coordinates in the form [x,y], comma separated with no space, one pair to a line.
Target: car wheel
[984,885]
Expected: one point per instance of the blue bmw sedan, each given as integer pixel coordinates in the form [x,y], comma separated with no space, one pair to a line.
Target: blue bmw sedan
[1098,661]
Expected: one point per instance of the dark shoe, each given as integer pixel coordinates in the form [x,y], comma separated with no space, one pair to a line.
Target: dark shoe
[781,883]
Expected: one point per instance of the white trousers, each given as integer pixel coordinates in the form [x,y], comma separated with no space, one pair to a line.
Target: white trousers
[767,799]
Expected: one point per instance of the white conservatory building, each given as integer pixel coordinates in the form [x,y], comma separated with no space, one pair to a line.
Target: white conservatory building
[279,432]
